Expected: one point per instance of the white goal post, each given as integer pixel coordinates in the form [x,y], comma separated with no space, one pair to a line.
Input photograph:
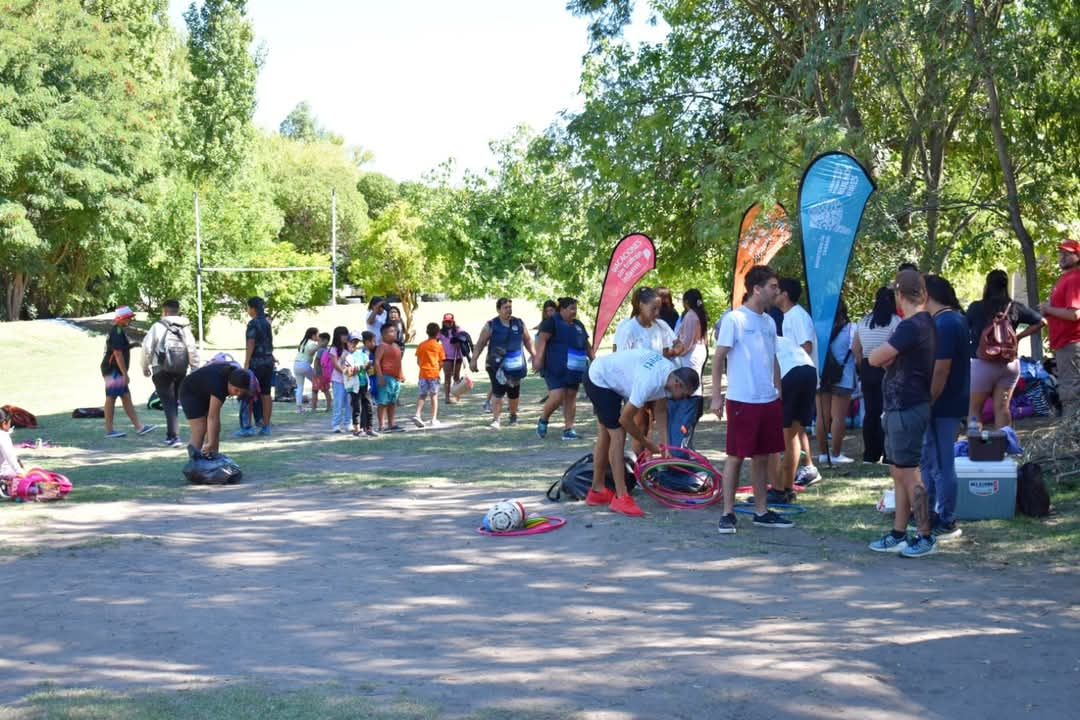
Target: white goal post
[200,269]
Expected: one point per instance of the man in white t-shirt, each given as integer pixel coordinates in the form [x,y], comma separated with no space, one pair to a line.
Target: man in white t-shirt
[755,416]
[799,326]
[635,377]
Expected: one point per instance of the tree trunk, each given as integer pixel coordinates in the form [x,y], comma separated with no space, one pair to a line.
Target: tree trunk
[15,294]
[408,305]
[1027,245]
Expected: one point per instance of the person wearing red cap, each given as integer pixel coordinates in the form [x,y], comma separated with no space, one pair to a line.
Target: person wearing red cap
[114,370]
[1062,313]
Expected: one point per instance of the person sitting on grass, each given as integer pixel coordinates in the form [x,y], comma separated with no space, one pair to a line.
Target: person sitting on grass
[114,370]
[635,377]
[429,356]
[389,378]
[10,465]
[202,394]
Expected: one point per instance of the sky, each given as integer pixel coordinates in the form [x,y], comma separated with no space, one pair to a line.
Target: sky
[419,81]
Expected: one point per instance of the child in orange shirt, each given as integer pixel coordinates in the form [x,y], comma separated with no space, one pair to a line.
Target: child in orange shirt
[388,378]
[429,356]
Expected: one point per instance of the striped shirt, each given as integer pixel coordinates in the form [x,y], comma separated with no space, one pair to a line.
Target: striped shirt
[873,338]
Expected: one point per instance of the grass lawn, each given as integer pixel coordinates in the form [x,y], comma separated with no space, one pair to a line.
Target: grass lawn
[56,366]
[247,702]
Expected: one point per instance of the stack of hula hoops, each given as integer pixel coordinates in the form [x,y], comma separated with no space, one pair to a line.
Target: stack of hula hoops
[686,480]
[693,483]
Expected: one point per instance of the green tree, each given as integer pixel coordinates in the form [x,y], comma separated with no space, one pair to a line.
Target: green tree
[82,140]
[302,125]
[395,260]
[220,95]
[380,191]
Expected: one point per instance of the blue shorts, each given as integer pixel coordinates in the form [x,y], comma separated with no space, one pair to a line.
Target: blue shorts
[387,394]
[115,385]
[429,388]
[568,381]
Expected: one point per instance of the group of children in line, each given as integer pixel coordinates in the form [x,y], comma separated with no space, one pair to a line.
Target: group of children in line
[360,376]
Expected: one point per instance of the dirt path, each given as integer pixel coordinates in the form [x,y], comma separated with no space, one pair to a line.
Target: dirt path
[608,618]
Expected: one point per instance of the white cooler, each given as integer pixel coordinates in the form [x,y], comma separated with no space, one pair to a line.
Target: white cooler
[985,490]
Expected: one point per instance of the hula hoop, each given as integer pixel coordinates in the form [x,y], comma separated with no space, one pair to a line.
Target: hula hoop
[545,525]
[692,463]
[784,509]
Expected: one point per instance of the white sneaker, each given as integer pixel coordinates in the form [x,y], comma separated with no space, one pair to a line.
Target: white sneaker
[823,459]
[494,425]
[417,421]
[841,459]
[435,423]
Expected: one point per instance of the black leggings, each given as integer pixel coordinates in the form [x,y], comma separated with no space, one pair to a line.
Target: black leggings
[361,408]
[872,432]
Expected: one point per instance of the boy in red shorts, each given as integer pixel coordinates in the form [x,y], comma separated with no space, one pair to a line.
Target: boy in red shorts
[755,429]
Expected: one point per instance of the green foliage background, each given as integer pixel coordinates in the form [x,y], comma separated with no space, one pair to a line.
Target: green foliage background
[111,119]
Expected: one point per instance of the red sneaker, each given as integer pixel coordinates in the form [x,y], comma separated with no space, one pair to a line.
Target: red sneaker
[602,497]
[625,505]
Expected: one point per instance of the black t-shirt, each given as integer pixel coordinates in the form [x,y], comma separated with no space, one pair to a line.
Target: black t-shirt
[778,317]
[669,315]
[547,325]
[210,380]
[116,340]
[1019,314]
[907,380]
[258,329]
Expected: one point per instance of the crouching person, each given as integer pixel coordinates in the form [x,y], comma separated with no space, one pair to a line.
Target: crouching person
[202,394]
[635,377]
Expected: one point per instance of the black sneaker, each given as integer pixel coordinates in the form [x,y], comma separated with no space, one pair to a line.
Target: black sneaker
[776,497]
[513,420]
[727,524]
[772,520]
[946,531]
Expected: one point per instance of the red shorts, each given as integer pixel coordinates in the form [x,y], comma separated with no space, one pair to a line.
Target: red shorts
[754,428]
[320,384]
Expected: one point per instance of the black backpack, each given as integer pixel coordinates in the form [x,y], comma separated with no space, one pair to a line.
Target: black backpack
[1032,497]
[577,479]
[284,386]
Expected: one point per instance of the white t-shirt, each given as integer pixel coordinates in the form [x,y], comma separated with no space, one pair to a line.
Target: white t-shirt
[790,355]
[9,461]
[638,375]
[376,327]
[751,338]
[631,335]
[799,326]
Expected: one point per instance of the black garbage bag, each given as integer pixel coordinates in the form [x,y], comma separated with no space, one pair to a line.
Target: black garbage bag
[215,470]
[682,481]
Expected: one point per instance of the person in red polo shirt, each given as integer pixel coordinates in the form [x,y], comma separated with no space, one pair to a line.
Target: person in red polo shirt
[1062,314]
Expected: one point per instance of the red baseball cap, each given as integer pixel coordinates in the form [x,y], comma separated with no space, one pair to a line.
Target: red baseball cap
[1070,246]
[448,317]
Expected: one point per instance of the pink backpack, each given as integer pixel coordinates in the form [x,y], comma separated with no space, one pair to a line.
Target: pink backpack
[37,485]
[327,364]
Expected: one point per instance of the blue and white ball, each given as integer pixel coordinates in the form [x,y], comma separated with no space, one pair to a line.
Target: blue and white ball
[504,516]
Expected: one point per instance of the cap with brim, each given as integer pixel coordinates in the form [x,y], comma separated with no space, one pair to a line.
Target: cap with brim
[1070,246]
[354,337]
[448,317]
[123,312]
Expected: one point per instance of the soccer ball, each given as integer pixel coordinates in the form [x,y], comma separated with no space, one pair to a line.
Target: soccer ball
[504,516]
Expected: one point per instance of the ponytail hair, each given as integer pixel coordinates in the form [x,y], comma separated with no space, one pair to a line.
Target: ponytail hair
[307,336]
[696,304]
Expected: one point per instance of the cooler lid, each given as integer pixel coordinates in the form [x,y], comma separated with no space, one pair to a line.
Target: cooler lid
[967,467]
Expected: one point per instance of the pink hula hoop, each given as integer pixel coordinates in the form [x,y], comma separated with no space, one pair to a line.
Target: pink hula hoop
[553,523]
